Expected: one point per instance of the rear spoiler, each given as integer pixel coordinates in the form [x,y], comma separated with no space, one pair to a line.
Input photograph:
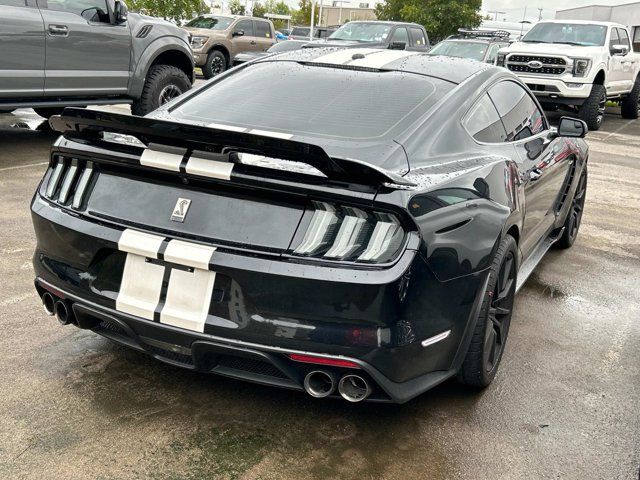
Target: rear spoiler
[82,123]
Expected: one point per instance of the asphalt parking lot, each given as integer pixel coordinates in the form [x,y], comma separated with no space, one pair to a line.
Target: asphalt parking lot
[564,405]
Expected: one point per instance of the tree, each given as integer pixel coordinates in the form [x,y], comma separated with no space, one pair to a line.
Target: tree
[259,10]
[302,16]
[236,8]
[175,10]
[440,17]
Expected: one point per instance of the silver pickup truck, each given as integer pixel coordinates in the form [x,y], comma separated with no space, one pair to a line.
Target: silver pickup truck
[59,53]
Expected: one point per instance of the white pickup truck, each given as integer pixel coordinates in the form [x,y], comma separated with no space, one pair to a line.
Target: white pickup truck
[578,66]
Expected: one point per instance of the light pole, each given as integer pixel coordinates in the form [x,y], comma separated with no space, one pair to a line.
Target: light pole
[320,13]
[313,14]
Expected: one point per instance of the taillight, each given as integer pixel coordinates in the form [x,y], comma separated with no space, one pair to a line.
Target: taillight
[351,234]
[69,181]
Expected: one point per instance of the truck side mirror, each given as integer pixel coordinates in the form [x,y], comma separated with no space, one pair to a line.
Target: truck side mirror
[572,128]
[120,12]
[397,45]
[621,50]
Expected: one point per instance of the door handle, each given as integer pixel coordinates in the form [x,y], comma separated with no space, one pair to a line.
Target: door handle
[535,174]
[58,30]
[253,42]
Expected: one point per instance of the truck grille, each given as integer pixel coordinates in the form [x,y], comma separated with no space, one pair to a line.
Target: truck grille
[536,64]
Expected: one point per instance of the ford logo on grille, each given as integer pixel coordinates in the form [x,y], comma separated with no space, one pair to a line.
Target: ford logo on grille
[534,64]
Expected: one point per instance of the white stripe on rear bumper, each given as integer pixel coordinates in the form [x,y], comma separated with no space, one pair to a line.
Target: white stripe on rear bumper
[189,254]
[140,243]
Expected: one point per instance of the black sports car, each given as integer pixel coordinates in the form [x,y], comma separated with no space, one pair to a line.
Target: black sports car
[368,245]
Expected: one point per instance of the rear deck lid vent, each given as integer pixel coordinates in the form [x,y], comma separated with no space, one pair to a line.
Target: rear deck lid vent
[69,181]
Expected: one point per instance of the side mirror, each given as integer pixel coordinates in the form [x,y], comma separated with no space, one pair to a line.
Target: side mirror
[120,12]
[572,128]
[621,50]
[397,45]
[238,33]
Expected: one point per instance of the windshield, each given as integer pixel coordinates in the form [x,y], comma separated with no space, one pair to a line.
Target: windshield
[212,23]
[569,33]
[337,102]
[362,32]
[456,48]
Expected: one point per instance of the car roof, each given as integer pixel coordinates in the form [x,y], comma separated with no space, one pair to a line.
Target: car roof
[454,70]
[385,22]
[584,22]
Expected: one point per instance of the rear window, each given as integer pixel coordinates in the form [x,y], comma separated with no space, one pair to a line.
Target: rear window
[263,29]
[293,98]
[300,31]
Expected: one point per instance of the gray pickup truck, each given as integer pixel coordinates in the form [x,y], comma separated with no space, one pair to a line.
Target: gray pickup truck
[59,53]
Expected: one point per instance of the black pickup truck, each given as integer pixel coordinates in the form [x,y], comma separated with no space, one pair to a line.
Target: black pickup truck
[378,34]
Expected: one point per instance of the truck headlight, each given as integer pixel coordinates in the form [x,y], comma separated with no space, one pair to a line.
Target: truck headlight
[198,42]
[500,60]
[581,67]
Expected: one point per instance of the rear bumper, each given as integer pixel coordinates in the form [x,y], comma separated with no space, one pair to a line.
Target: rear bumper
[264,308]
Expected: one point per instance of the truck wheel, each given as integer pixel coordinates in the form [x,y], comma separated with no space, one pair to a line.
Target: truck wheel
[48,112]
[163,83]
[216,64]
[592,110]
[630,104]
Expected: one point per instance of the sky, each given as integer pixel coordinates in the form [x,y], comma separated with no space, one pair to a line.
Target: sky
[515,9]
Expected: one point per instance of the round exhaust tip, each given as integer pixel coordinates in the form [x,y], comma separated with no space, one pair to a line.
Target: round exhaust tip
[319,384]
[48,303]
[62,313]
[354,388]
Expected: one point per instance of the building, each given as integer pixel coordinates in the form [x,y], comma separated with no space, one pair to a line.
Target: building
[338,12]
[627,14]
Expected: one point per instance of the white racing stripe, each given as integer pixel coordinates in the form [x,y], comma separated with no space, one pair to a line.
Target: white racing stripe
[189,254]
[222,126]
[188,299]
[140,243]
[379,59]
[163,157]
[203,164]
[342,57]
[268,133]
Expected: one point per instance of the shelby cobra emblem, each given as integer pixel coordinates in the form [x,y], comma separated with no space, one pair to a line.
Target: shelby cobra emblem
[180,210]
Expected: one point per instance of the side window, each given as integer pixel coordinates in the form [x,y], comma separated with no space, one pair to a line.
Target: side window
[14,3]
[615,39]
[90,10]
[400,35]
[246,26]
[624,38]
[636,39]
[418,37]
[519,112]
[263,30]
[483,122]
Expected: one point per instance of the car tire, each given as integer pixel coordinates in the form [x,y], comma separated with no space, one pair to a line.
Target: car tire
[630,105]
[574,215]
[216,64]
[48,112]
[592,110]
[492,326]
[163,83]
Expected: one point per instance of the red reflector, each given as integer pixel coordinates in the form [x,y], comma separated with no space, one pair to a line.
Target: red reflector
[323,361]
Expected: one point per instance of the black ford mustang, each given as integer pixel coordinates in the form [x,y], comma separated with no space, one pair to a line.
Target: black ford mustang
[370,248]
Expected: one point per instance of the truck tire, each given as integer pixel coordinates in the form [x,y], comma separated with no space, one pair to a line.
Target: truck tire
[216,64]
[48,112]
[630,105]
[163,83]
[592,110]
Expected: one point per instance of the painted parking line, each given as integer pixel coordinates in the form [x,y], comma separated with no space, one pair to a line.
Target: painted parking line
[19,167]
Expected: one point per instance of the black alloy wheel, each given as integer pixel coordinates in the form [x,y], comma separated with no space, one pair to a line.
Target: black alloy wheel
[492,325]
[500,312]
[574,215]
[168,93]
